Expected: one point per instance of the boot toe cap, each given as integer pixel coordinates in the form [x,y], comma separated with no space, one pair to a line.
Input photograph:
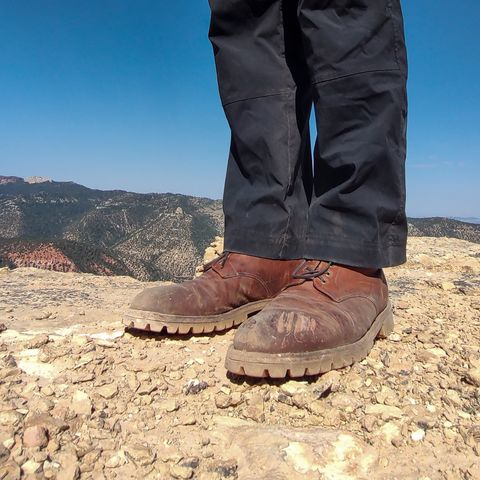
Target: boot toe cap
[155,299]
[280,331]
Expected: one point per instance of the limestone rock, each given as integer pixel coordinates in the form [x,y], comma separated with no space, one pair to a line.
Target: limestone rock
[178,471]
[293,453]
[473,376]
[10,418]
[35,436]
[81,403]
[140,454]
[31,467]
[69,467]
[107,391]
[384,411]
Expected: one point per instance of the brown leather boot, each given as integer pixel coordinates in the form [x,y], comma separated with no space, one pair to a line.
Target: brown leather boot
[327,318]
[232,287]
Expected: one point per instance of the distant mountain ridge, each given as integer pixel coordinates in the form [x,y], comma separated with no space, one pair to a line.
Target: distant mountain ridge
[443,227]
[157,236]
[475,220]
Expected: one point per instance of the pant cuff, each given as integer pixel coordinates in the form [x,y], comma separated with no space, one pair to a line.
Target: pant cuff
[367,256]
[251,243]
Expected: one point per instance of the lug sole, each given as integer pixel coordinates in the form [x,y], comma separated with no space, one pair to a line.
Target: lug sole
[184,325]
[293,365]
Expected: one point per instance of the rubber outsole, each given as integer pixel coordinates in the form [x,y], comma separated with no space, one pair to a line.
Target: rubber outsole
[184,325]
[294,365]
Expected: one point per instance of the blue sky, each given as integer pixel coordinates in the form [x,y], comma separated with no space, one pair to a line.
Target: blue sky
[122,94]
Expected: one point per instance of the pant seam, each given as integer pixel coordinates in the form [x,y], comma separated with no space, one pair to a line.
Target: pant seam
[395,33]
[289,161]
[273,94]
[339,77]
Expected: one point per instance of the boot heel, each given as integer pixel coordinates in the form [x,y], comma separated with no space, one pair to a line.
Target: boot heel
[388,323]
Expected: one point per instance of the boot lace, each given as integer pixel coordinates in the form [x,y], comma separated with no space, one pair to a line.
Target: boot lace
[310,273]
[221,259]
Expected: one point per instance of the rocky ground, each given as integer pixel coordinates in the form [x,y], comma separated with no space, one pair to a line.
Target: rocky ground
[81,398]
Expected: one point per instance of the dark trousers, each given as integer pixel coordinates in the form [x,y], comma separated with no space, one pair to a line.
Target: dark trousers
[347,58]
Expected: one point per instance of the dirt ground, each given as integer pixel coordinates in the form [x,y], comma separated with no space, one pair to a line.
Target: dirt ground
[82,398]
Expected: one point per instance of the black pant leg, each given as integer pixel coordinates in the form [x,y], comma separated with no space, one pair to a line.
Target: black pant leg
[356,54]
[266,95]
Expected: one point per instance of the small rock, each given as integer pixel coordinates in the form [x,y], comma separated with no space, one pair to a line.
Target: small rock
[224,469]
[473,376]
[9,443]
[450,434]
[418,435]
[170,405]
[91,457]
[254,410]
[3,327]
[37,342]
[424,356]
[36,436]
[189,420]
[81,403]
[327,383]
[190,462]
[9,372]
[10,361]
[69,468]
[447,286]
[283,398]
[146,366]
[108,391]
[175,375]
[116,460]
[292,387]
[437,351]
[167,453]
[10,418]
[194,386]
[453,398]
[146,388]
[384,411]
[395,337]
[178,471]
[140,454]
[390,432]
[31,467]
[51,424]
[40,404]
[82,377]
[38,315]
[345,402]
[224,401]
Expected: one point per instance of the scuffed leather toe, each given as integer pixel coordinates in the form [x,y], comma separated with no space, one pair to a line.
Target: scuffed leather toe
[285,331]
[316,314]
[157,299]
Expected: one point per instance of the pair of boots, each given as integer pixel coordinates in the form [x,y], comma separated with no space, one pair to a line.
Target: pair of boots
[296,317]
